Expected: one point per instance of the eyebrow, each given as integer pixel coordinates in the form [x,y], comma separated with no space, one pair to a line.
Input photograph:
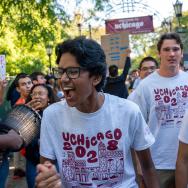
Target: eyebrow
[26,82]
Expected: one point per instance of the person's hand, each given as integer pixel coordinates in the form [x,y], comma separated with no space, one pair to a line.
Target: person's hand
[35,104]
[16,140]
[128,51]
[3,84]
[47,176]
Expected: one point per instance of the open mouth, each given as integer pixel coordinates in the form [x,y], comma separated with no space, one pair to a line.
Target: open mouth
[68,92]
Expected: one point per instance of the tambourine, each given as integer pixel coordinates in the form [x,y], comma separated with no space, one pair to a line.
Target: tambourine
[25,121]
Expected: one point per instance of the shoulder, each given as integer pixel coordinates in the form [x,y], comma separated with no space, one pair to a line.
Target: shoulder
[183,73]
[121,103]
[55,107]
[150,78]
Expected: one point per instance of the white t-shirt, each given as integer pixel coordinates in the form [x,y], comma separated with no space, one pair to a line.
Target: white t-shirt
[183,135]
[93,149]
[163,102]
[137,82]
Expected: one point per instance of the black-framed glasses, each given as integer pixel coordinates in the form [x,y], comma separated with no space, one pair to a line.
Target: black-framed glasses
[40,94]
[71,72]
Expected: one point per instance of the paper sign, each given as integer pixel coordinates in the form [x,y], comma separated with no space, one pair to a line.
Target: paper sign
[115,47]
[2,67]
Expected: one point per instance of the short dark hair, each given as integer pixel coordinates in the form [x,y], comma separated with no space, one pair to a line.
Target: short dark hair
[113,70]
[88,54]
[34,75]
[170,36]
[148,58]
[20,76]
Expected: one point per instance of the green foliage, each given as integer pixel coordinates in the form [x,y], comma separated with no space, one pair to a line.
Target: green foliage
[143,45]
[26,27]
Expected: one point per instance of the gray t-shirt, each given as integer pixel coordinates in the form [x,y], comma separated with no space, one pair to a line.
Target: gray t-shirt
[93,149]
[163,102]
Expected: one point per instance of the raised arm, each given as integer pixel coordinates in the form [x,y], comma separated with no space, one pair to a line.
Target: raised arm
[127,65]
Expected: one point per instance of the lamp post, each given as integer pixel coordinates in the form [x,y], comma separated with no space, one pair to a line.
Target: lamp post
[89,26]
[49,53]
[178,10]
[78,19]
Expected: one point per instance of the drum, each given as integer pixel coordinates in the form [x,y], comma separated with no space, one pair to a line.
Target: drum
[25,121]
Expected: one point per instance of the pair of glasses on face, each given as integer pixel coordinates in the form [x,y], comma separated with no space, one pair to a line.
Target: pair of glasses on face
[71,72]
[39,94]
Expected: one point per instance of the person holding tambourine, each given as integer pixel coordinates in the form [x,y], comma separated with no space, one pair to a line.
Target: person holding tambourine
[9,140]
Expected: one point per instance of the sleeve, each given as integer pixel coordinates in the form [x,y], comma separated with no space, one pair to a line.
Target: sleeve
[46,135]
[183,134]
[142,138]
[141,99]
[126,68]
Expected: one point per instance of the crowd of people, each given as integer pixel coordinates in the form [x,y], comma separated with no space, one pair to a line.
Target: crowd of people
[96,131]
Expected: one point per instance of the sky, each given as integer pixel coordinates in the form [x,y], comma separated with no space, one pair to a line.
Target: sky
[165,7]
[161,9]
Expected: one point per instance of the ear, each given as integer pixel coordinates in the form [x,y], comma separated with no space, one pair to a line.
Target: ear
[35,82]
[138,72]
[18,89]
[182,54]
[97,79]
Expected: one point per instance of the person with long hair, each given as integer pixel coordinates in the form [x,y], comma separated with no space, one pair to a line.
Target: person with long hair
[39,98]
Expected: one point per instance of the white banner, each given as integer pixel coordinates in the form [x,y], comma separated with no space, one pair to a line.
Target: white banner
[2,67]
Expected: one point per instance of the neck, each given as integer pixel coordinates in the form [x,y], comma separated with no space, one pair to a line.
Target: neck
[23,97]
[170,72]
[93,103]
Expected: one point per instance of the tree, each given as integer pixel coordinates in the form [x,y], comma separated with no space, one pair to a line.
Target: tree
[26,27]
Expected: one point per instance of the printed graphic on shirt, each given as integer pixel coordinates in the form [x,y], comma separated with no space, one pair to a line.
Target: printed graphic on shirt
[93,161]
[171,105]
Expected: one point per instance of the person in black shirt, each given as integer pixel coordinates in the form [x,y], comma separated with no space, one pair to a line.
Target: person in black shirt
[115,85]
